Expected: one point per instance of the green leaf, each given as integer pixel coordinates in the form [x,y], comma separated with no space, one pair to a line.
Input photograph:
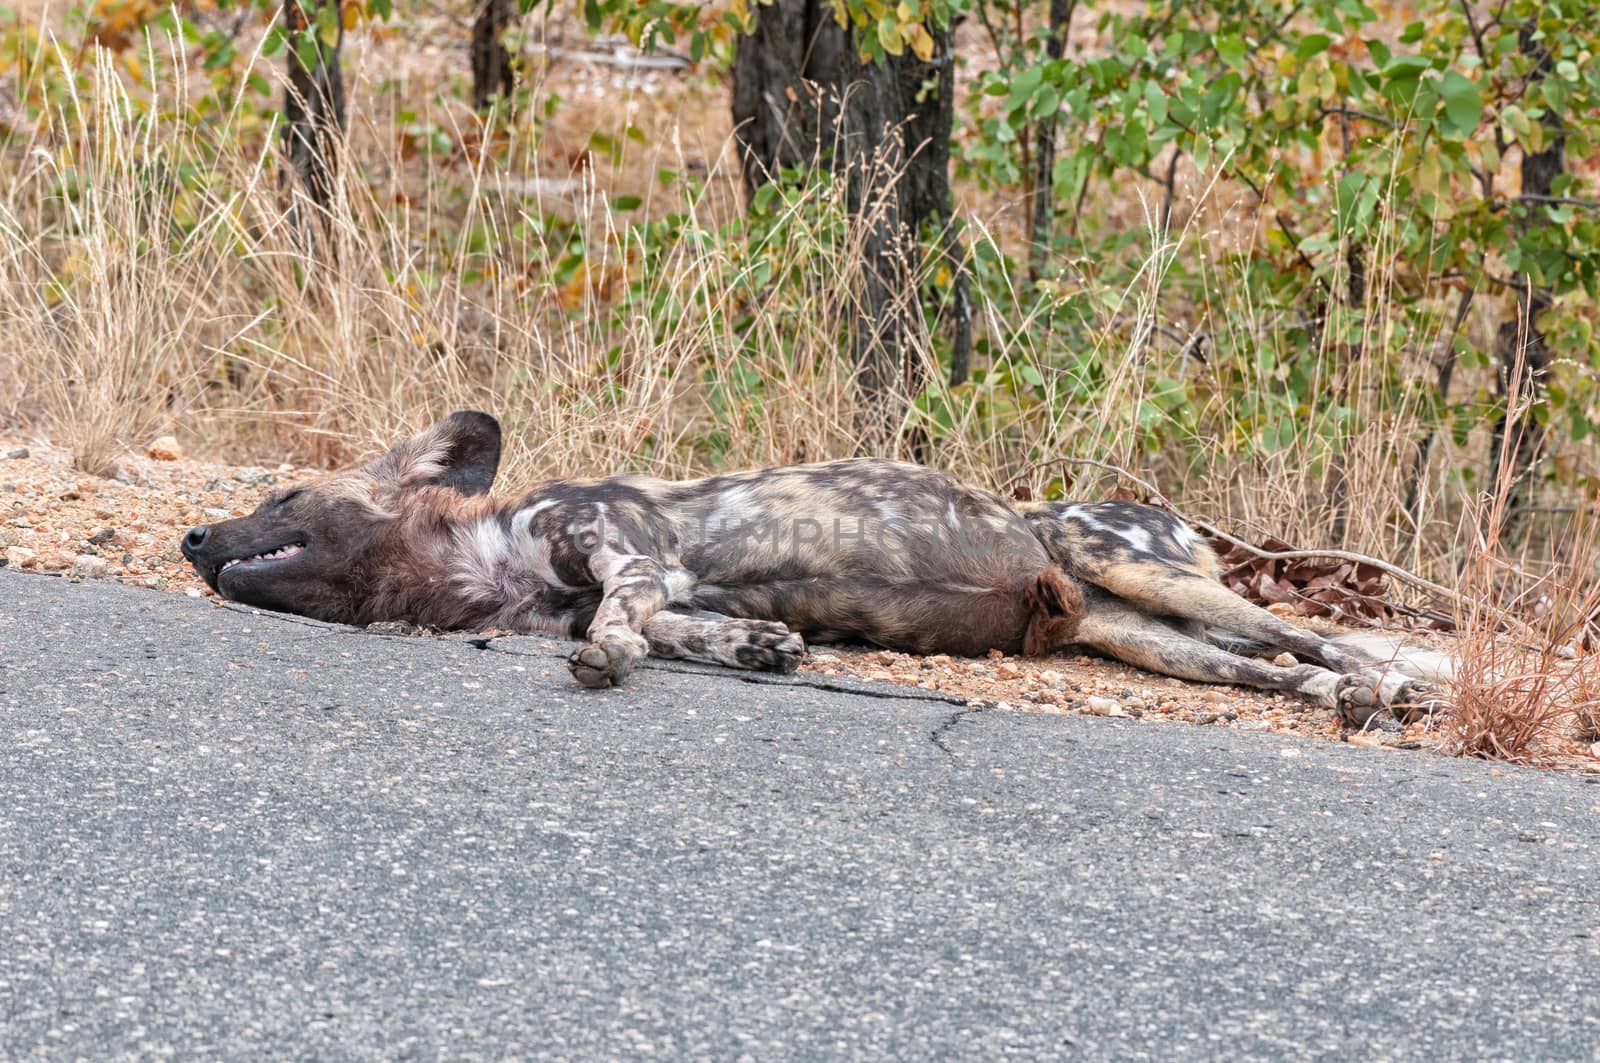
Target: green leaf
[626,203]
[1155,102]
[273,43]
[1231,49]
[1024,85]
[1047,102]
[889,35]
[1407,65]
[328,26]
[1463,104]
[305,49]
[1312,44]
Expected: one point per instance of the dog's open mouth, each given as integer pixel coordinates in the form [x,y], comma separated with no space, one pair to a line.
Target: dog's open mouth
[288,550]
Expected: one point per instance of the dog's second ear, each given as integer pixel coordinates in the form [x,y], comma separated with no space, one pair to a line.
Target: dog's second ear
[460,452]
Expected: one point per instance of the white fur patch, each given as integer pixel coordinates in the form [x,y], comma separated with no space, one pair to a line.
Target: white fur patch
[735,507]
[425,460]
[1135,536]
[1082,515]
[535,550]
[680,584]
[1186,537]
[481,562]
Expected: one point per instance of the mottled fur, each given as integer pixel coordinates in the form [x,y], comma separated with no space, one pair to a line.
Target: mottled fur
[733,569]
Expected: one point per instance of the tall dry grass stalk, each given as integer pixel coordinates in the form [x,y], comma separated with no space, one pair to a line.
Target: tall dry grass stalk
[1526,667]
[97,301]
[151,277]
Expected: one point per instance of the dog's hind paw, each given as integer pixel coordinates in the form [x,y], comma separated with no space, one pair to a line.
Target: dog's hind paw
[1380,700]
[1359,698]
[598,665]
[764,646]
[1418,699]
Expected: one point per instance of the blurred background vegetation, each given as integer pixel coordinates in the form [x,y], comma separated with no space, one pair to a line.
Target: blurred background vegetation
[1320,269]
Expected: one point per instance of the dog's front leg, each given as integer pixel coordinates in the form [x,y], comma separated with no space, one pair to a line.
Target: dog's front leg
[635,588]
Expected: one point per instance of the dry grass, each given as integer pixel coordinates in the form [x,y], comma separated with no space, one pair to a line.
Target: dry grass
[1525,671]
[151,282]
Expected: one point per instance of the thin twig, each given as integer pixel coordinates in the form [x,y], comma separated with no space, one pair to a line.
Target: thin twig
[1348,112]
[1562,201]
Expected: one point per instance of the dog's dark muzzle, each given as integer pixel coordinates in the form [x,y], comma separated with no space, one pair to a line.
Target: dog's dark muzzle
[194,542]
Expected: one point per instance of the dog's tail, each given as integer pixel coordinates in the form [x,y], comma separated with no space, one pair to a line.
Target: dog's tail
[1055,605]
[1379,650]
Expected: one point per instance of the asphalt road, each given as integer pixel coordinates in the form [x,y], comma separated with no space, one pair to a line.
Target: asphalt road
[231,835]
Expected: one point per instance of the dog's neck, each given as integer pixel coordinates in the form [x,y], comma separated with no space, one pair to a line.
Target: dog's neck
[451,562]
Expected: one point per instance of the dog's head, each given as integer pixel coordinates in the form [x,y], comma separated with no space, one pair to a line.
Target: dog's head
[306,549]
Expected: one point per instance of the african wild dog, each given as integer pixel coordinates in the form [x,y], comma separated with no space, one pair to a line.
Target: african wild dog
[734,569]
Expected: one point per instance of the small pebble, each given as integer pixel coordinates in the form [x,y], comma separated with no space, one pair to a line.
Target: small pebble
[17,453]
[1053,679]
[165,448]
[255,477]
[1285,660]
[1099,706]
[88,566]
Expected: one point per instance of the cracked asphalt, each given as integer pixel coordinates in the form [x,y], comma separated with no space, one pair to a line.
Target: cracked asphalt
[235,835]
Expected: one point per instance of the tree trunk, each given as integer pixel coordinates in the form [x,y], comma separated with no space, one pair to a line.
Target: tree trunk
[803,99]
[313,109]
[492,72]
[1044,155]
[1520,348]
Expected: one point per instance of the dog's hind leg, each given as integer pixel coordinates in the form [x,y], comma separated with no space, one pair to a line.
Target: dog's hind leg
[714,638]
[1126,632]
[1154,560]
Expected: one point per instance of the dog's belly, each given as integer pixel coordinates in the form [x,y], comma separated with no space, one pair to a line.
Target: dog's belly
[966,621]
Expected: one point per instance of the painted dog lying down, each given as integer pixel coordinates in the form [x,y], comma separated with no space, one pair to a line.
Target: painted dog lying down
[734,569]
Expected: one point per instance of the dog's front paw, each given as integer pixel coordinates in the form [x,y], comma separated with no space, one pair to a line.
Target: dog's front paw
[601,664]
[765,646]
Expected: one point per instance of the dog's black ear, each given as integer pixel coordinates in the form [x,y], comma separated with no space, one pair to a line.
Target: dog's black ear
[460,452]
